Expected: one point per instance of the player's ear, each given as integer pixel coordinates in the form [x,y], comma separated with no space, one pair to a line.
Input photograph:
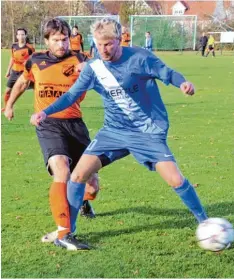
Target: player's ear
[46,41]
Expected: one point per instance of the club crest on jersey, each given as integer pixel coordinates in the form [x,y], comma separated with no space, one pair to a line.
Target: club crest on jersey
[43,63]
[68,70]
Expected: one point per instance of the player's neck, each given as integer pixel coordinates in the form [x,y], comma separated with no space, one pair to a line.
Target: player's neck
[21,44]
[54,56]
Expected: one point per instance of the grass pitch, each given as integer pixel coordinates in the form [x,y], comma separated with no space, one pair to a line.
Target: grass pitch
[142,229]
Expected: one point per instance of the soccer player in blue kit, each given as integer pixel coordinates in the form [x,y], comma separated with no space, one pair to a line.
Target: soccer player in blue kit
[135,121]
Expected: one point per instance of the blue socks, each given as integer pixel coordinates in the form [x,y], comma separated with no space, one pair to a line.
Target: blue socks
[188,195]
[75,194]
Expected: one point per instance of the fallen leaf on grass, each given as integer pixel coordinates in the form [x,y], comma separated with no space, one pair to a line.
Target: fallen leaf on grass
[52,253]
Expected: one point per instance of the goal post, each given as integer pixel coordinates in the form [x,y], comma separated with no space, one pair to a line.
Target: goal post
[169,32]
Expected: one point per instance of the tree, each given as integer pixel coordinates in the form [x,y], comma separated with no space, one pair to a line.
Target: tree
[137,7]
[29,15]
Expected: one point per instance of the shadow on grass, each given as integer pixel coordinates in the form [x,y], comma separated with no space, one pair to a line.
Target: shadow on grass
[181,104]
[180,218]
[215,210]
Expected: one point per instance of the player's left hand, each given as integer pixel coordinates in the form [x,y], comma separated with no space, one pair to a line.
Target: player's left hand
[36,118]
[187,88]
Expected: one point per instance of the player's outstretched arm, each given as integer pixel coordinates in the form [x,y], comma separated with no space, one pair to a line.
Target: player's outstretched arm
[83,83]
[62,103]
[18,89]
[11,62]
[156,68]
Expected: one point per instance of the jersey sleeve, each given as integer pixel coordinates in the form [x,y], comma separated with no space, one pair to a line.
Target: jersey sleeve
[83,83]
[12,52]
[81,39]
[81,98]
[31,50]
[129,37]
[155,68]
[27,73]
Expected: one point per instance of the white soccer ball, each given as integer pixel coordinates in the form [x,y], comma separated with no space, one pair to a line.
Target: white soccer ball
[215,234]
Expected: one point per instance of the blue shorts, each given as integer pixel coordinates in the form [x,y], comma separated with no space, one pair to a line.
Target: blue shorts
[147,149]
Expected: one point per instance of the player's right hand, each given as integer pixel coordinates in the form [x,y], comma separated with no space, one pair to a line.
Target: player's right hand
[7,75]
[9,113]
[36,118]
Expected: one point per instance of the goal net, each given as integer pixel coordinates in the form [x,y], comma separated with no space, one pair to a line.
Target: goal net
[169,32]
[84,23]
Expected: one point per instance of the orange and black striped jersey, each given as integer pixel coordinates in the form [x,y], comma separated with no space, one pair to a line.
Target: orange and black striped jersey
[20,55]
[76,42]
[125,39]
[52,78]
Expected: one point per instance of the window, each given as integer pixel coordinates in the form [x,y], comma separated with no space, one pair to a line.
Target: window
[178,11]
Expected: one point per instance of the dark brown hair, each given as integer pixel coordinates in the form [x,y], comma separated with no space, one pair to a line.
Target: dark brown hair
[56,25]
[21,29]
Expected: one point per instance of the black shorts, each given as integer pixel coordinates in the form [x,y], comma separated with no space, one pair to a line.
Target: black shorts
[13,78]
[68,137]
[210,47]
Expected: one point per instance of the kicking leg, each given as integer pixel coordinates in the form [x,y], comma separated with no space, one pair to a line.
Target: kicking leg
[85,168]
[183,188]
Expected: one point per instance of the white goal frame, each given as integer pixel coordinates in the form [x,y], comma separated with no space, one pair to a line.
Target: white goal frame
[166,16]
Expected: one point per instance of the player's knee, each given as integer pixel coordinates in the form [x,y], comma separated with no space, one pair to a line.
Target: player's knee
[80,177]
[176,180]
[62,174]
[60,168]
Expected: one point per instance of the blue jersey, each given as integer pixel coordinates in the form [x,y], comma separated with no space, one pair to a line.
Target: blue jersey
[130,93]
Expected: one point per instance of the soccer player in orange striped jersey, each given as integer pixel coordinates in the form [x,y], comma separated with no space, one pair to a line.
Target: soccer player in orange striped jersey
[76,40]
[20,52]
[125,38]
[64,137]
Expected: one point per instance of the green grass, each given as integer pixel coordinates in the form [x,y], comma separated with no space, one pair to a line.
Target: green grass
[142,229]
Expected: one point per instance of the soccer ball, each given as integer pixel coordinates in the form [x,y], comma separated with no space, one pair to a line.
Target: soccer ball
[215,234]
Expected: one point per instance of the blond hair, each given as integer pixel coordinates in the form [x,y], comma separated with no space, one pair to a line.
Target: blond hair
[107,28]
